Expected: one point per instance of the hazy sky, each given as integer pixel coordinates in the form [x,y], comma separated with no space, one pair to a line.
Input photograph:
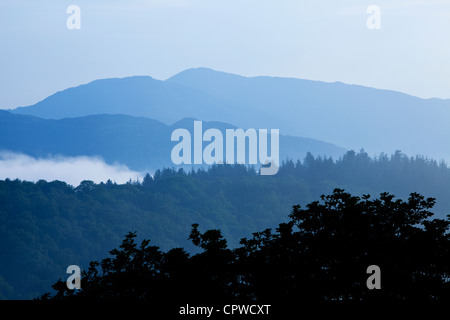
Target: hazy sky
[321,40]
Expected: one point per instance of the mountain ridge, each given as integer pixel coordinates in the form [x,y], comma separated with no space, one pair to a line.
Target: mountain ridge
[140,143]
[348,115]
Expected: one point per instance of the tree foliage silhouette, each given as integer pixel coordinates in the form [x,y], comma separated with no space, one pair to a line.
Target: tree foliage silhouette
[49,225]
[320,255]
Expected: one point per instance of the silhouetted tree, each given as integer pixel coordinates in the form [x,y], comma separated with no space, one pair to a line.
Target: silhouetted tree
[320,255]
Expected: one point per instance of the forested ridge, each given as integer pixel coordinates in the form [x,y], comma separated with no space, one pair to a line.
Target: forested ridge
[46,226]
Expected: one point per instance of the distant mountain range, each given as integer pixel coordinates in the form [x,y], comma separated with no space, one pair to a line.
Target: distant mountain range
[350,116]
[140,143]
[140,96]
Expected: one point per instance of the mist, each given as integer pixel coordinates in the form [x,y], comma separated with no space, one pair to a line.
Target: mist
[72,170]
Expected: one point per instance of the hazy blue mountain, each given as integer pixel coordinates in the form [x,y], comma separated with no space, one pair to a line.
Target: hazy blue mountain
[346,115]
[140,96]
[138,142]
[129,140]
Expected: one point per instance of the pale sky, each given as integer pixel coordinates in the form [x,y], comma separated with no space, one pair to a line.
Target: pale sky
[324,40]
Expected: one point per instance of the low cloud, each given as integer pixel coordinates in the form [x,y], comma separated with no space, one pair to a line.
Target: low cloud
[72,170]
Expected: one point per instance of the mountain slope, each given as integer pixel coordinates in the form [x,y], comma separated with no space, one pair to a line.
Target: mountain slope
[140,143]
[348,115]
[140,96]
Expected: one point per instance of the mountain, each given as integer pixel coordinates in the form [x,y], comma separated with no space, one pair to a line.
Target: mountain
[350,116]
[140,143]
[129,140]
[140,96]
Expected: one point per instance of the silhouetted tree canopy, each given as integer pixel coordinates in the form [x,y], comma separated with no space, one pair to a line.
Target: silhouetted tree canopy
[321,254]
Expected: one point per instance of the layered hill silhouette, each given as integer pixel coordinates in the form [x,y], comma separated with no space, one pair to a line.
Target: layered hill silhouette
[138,142]
[49,225]
[140,96]
[350,116]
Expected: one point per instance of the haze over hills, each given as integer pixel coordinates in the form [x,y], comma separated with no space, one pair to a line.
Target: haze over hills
[350,116]
[137,142]
[130,121]
[140,96]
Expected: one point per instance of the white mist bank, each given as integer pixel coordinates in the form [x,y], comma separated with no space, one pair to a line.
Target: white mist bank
[72,170]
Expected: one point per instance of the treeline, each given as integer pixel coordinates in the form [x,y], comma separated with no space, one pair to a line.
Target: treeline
[324,253]
[46,226]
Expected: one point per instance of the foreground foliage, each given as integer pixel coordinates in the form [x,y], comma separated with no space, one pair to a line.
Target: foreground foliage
[321,254]
[46,226]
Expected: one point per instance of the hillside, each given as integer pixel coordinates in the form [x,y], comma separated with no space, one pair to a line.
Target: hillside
[351,116]
[137,142]
[140,96]
[46,226]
